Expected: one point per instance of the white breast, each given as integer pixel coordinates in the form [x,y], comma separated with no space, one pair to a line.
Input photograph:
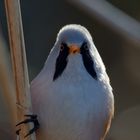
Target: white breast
[72,108]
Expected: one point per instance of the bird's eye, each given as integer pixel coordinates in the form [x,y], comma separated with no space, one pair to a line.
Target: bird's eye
[85,46]
[63,45]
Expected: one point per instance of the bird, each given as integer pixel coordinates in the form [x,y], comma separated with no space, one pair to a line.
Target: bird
[72,95]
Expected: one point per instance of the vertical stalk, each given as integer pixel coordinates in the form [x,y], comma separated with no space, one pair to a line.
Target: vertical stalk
[17,47]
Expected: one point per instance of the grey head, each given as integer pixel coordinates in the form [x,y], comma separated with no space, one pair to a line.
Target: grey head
[74,40]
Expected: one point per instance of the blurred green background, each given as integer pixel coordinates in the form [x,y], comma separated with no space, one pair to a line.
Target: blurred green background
[118,47]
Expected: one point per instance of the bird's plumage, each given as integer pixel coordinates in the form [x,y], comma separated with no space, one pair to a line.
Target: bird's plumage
[72,96]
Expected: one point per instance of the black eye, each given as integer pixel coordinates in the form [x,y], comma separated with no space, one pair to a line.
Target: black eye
[63,45]
[85,46]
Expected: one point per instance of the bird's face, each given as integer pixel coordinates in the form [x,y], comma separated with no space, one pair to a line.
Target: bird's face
[74,42]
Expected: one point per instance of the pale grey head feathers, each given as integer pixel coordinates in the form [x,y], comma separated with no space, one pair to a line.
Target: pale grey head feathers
[59,56]
[74,34]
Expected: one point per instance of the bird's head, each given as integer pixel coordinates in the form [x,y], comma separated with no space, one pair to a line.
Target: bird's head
[74,43]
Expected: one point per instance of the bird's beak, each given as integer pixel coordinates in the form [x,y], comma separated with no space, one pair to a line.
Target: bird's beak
[73,49]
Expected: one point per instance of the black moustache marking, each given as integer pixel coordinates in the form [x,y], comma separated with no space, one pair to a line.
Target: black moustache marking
[61,61]
[87,60]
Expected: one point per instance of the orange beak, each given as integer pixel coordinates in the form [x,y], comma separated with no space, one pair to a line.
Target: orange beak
[73,49]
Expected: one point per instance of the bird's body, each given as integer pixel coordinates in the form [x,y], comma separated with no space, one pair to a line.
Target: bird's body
[73,103]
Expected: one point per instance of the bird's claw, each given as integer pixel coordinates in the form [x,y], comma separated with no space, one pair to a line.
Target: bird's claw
[31,118]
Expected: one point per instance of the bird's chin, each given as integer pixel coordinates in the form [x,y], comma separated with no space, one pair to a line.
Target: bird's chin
[75,58]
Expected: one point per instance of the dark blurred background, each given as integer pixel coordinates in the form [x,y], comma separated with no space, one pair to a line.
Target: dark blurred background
[115,27]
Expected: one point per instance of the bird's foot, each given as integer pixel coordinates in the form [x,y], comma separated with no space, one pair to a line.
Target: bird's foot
[30,118]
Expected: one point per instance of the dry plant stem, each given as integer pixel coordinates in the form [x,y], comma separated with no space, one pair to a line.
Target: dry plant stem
[19,63]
